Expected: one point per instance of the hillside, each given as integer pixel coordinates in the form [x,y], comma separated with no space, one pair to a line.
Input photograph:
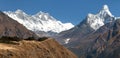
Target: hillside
[11,28]
[34,49]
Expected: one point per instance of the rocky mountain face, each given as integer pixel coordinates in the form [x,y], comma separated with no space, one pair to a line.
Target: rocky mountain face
[40,22]
[48,48]
[81,30]
[85,46]
[11,28]
[107,44]
[104,43]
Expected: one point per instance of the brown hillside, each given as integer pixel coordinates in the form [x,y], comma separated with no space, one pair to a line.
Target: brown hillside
[34,49]
[11,28]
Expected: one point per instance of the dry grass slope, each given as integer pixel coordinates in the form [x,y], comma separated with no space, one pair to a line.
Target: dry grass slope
[34,49]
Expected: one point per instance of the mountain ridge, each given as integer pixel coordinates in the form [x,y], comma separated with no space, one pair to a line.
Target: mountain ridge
[39,22]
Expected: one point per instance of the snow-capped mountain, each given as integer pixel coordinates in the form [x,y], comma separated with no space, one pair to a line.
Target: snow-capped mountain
[39,22]
[98,20]
[94,35]
[90,24]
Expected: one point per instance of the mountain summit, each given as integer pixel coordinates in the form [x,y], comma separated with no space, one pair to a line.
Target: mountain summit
[98,20]
[39,22]
[91,23]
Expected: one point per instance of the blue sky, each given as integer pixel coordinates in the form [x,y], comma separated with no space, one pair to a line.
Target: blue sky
[73,11]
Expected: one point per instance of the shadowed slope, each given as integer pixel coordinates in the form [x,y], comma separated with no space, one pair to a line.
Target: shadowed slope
[10,27]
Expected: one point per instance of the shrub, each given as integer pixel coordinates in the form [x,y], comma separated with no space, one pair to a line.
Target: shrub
[42,38]
[6,38]
[30,38]
[9,40]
